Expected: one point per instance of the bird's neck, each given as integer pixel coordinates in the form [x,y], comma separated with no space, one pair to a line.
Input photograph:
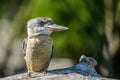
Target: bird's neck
[37,35]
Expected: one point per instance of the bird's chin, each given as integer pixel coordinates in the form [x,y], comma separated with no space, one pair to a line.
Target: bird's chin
[33,34]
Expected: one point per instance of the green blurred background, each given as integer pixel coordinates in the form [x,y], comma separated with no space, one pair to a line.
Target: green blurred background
[94,31]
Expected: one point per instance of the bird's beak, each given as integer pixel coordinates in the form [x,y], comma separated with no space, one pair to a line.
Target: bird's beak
[57,28]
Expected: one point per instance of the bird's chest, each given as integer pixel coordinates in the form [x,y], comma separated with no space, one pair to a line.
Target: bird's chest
[39,47]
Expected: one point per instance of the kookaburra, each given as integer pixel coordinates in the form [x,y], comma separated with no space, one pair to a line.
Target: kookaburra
[38,46]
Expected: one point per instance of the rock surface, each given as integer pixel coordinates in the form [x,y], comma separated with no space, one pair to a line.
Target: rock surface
[84,70]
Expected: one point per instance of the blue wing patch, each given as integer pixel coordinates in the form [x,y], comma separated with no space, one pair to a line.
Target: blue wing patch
[24,45]
[52,52]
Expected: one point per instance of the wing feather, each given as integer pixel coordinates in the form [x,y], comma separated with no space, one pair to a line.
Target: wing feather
[24,45]
[52,52]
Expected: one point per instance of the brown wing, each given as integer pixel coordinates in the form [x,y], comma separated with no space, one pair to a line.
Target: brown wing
[24,45]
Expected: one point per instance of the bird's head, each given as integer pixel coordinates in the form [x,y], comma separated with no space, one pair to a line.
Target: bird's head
[88,60]
[43,25]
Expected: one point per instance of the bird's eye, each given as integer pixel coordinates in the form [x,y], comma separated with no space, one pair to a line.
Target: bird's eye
[40,24]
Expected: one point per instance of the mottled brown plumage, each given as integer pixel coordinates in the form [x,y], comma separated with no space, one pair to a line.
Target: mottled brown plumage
[38,53]
[38,47]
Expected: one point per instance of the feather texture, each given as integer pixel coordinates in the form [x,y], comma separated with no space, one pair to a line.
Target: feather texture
[38,53]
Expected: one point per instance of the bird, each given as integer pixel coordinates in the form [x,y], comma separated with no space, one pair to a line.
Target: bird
[86,67]
[38,46]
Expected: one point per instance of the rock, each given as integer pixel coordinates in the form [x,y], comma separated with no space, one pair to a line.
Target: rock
[84,70]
